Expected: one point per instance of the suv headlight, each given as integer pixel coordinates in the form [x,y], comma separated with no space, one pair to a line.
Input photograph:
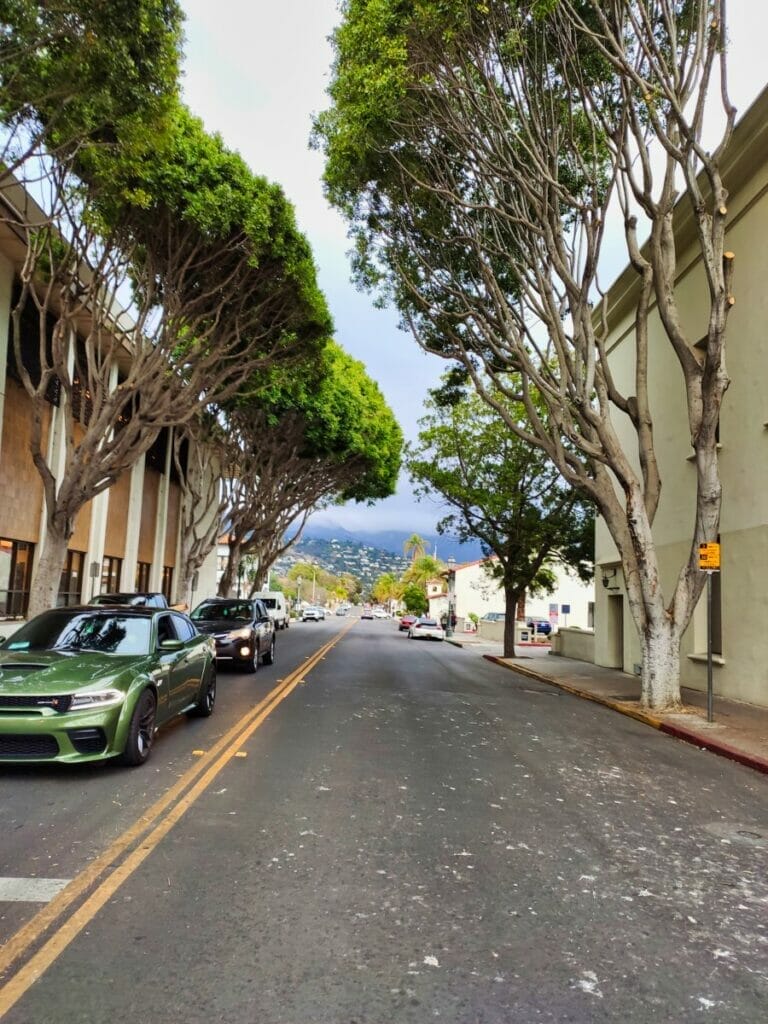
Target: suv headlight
[96,699]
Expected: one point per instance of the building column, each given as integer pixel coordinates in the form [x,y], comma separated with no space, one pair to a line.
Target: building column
[161,521]
[6,288]
[133,526]
[98,529]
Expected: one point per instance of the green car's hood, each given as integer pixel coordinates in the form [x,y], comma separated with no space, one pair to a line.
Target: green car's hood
[53,672]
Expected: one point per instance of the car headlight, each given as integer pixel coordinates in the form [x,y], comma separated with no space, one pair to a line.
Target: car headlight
[96,699]
[239,634]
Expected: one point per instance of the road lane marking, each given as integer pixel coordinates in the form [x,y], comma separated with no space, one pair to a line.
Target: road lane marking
[31,890]
[218,757]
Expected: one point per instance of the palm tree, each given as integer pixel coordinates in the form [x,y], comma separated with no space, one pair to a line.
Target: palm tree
[422,569]
[415,546]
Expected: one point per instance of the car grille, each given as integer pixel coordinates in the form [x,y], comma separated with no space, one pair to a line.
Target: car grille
[22,701]
[88,741]
[28,747]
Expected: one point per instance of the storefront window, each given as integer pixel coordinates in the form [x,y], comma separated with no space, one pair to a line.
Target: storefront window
[110,574]
[142,577]
[15,575]
[71,584]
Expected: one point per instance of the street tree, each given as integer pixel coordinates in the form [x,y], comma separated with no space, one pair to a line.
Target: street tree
[423,569]
[479,152]
[387,588]
[85,77]
[314,435]
[414,599]
[500,490]
[223,285]
[415,547]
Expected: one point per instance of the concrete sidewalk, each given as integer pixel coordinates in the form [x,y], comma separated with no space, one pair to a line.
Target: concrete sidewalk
[739,731]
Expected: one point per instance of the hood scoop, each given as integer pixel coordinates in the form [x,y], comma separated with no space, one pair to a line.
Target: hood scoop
[21,666]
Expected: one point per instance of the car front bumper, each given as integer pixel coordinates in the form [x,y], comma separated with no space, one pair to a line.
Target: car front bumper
[71,736]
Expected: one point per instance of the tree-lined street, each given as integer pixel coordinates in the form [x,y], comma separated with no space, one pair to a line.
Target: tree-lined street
[414,834]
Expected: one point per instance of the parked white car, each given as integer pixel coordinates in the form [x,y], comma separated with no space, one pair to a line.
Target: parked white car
[313,614]
[426,629]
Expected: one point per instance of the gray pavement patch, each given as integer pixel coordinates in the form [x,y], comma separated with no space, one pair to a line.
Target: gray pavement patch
[30,890]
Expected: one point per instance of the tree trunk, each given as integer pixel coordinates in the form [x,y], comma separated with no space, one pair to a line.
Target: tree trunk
[227,581]
[47,576]
[660,672]
[511,598]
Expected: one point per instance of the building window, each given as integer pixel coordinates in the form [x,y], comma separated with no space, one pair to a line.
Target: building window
[167,581]
[110,574]
[591,615]
[71,583]
[15,576]
[142,577]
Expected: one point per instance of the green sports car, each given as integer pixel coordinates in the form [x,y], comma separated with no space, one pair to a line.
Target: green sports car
[87,684]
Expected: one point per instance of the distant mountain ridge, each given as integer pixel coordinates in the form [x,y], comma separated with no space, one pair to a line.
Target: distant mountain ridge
[393,541]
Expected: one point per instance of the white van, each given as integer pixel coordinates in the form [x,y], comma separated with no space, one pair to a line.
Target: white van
[276,606]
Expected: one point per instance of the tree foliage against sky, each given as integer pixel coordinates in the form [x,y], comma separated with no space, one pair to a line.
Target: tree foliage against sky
[479,151]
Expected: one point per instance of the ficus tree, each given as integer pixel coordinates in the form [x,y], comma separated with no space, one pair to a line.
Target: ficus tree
[312,435]
[220,285]
[500,490]
[479,152]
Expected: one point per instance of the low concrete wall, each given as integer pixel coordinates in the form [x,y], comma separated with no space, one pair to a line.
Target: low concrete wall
[491,631]
[578,644]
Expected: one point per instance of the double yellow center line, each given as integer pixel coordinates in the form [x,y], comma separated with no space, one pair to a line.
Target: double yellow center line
[90,890]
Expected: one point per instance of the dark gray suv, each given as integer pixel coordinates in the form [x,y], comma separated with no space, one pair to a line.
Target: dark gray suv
[243,631]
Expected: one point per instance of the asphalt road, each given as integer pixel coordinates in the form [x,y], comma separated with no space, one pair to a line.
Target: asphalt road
[404,832]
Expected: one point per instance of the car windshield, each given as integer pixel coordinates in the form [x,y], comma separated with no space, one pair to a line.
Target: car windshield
[119,599]
[83,631]
[215,611]
[427,622]
[270,602]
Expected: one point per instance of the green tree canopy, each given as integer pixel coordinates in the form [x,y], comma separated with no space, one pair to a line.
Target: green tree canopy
[84,76]
[503,492]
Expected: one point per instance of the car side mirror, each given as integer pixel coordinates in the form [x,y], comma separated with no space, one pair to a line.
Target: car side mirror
[171,645]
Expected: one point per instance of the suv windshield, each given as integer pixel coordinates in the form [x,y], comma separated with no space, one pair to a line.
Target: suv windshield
[215,611]
[83,631]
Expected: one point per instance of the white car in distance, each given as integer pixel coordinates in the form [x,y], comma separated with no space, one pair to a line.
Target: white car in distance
[313,614]
[425,628]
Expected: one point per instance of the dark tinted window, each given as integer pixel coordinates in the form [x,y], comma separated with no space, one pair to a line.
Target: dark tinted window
[89,631]
[234,611]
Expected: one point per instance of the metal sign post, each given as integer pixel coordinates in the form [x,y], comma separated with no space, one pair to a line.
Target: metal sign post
[709,562]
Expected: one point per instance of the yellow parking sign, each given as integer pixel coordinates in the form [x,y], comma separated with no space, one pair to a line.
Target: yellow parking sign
[709,556]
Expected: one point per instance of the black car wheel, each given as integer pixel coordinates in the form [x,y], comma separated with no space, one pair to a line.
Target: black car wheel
[269,657]
[141,731]
[204,707]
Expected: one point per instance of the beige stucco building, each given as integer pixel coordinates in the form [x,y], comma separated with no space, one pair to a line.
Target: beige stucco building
[741,590]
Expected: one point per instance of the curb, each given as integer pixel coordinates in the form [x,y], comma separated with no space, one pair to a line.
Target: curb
[758,764]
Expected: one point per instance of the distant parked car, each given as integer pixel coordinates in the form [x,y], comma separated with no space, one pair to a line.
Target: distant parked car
[342,610]
[143,600]
[425,628]
[367,613]
[540,626]
[494,617]
[380,613]
[312,614]
[406,621]
[243,630]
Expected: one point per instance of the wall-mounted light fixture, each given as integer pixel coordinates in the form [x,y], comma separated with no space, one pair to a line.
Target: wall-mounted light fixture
[609,575]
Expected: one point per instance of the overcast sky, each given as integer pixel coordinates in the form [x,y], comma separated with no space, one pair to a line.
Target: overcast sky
[256,72]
